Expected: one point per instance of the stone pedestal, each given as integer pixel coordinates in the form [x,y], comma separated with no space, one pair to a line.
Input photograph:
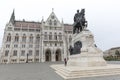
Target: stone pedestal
[88,63]
[71,72]
[90,55]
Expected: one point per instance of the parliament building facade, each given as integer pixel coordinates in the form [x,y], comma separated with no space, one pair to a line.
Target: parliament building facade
[29,41]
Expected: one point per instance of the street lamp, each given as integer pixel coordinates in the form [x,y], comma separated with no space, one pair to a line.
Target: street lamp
[27,58]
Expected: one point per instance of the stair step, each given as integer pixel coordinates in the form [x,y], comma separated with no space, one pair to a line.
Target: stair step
[68,72]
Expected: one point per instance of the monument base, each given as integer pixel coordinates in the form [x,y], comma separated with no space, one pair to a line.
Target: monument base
[89,62]
[70,72]
[90,55]
[86,60]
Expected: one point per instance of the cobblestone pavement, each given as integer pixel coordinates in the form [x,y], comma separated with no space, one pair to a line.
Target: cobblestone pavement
[40,71]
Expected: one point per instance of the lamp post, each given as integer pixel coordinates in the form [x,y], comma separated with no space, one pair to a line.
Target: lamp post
[27,58]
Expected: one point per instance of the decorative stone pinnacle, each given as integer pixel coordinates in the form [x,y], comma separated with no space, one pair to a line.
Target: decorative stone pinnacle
[52,9]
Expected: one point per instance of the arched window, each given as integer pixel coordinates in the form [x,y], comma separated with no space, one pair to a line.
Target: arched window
[55,22]
[55,36]
[16,38]
[37,53]
[37,38]
[45,36]
[50,22]
[6,52]
[24,38]
[15,53]
[30,53]
[31,38]
[9,37]
[60,36]
[50,36]
[23,53]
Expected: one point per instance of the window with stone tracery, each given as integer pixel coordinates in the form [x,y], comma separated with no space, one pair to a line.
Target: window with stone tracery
[55,36]
[55,22]
[37,53]
[23,53]
[30,53]
[24,38]
[23,45]
[15,53]
[15,46]
[50,22]
[60,36]
[50,36]
[7,45]
[16,38]
[6,52]
[31,38]
[9,37]
[37,39]
[45,36]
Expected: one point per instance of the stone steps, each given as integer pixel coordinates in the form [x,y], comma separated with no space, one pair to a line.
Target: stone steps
[68,73]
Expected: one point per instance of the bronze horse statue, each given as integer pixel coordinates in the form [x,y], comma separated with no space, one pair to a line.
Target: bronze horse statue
[79,21]
[79,25]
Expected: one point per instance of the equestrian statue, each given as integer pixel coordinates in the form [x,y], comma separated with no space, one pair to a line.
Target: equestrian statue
[79,25]
[79,21]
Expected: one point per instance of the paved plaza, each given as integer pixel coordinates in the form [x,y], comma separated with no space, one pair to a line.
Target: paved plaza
[40,71]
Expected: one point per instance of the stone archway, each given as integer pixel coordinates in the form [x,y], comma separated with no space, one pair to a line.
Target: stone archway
[48,55]
[58,55]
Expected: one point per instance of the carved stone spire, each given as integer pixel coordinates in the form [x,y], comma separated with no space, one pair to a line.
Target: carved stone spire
[12,19]
[52,9]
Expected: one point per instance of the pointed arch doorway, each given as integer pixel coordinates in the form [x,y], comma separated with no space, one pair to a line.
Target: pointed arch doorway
[48,55]
[58,55]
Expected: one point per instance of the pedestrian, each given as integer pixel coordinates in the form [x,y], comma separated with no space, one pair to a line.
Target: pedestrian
[65,61]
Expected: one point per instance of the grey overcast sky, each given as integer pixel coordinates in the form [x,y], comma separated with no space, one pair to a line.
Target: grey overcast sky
[103,16]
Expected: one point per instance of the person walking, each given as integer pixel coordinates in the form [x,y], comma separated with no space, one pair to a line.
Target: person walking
[65,61]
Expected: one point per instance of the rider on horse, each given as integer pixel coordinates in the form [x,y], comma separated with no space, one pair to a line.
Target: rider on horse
[79,21]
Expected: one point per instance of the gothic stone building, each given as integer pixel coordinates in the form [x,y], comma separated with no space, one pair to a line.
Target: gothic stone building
[35,41]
